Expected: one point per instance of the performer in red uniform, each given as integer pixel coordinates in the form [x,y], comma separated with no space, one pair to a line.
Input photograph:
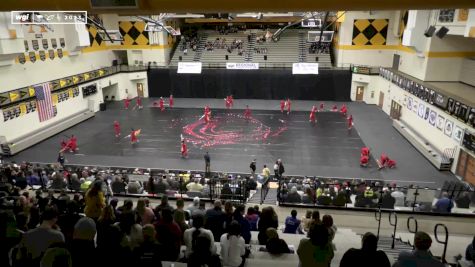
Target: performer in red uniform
[382,161]
[64,145]
[127,102]
[206,109]
[117,128]
[139,102]
[288,106]
[343,110]
[322,106]
[72,144]
[312,114]
[207,116]
[335,108]
[170,101]
[227,102]
[365,151]
[133,137]
[282,106]
[231,100]
[364,160]
[161,104]
[184,149]
[247,113]
[350,122]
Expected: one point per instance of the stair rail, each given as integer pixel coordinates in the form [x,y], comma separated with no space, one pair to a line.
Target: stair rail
[377,216]
[444,242]
[409,229]
[393,224]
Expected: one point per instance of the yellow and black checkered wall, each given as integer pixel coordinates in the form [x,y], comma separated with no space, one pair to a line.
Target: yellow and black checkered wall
[370,31]
[94,37]
[133,32]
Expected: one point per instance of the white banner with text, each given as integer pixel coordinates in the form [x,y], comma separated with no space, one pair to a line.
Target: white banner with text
[242,66]
[189,67]
[305,68]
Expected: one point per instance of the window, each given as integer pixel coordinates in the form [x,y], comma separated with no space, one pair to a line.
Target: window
[446,15]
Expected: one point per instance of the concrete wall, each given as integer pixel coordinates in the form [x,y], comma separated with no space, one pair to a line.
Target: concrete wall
[467,74]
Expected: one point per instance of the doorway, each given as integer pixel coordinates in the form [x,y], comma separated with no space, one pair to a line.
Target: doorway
[466,167]
[359,93]
[381,99]
[396,59]
[140,89]
[395,112]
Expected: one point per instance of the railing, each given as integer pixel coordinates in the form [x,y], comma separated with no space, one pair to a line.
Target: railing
[394,224]
[262,65]
[377,216]
[364,69]
[409,229]
[444,242]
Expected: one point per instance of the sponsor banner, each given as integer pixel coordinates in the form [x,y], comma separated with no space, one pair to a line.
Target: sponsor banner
[242,66]
[189,67]
[305,68]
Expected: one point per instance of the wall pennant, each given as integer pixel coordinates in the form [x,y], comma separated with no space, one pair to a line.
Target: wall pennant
[32,56]
[42,55]
[45,43]
[51,54]
[61,42]
[22,58]
[26,45]
[54,44]
[35,45]
[60,53]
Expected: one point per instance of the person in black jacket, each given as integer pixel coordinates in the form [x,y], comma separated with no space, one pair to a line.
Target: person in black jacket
[367,256]
[215,220]
[388,201]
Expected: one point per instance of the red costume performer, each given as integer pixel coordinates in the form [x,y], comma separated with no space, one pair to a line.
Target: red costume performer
[335,108]
[247,113]
[184,149]
[282,106]
[364,161]
[72,144]
[312,114]
[322,106]
[227,102]
[64,145]
[139,102]
[207,116]
[350,122]
[161,104]
[231,100]
[365,151]
[288,106]
[206,109]
[170,100]
[343,110]
[117,128]
[127,103]
[383,161]
[133,137]
[391,163]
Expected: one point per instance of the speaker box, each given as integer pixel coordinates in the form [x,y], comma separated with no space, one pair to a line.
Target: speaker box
[265,57]
[227,57]
[430,31]
[180,58]
[102,106]
[442,32]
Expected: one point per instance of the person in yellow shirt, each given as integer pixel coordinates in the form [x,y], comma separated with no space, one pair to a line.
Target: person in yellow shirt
[95,201]
[265,172]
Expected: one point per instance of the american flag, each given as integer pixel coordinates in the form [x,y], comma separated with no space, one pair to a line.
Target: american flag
[44,102]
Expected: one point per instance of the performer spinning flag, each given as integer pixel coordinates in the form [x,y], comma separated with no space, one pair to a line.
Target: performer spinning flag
[364,160]
[184,149]
[385,161]
[365,151]
[282,106]
[343,110]
[170,101]
[207,116]
[206,109]
[247,113]
[139,102]
[127,102]
[117,128]
[288,104]
[350,122]
[161,104]
[312,114]
[134,136]
[70,145]
[322,106]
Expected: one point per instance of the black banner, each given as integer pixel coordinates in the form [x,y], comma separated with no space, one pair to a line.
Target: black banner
[469,141]
[54,44]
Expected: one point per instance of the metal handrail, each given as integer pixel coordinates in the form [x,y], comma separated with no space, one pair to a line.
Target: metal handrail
[436,228]
[377,216]
[409,219]
[395,226]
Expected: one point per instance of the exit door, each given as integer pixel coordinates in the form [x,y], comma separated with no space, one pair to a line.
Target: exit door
[359,93]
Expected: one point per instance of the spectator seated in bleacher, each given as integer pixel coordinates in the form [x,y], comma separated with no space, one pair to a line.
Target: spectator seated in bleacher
[444,204]
[252,217]
[149,253]
[341,198]
[399,196]
[226,192]
[470,251]
[268,219]
[215,219]
[367,256]
[191,234]
[309,196]
[161,186]
[324,199]
[388,200]
[238,216]
[194,188]
[134,187]
[316,251]
[292,224]
[169,233]
[306,220]
[420,256]
[463,201]
[274,244]
[293,196]
[118,186]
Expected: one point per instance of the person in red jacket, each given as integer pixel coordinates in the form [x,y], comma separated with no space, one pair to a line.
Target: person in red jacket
[390,163]
[343,110]
[184,149]
[350,122]
[365,151]
[170,101]
[247,113]
[127,102]
[312,114]
[288,106]
[161,104]
[64,146]
[117,128]
[322,106]
[383,160]
[282,106]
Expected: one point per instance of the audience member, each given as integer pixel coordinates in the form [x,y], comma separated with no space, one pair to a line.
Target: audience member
[228,213]
[192,234]
[233,247]
[306,220]
[292,224]
[470,251]
[245,226]
[420,256]
[149,252]
[268,219]
[274,244]
[444,204]
[83,243]
[388,200]
[215,220]
[463,201]
[118,186]
[131,230]
[169,233]
[399,196]
[368,255]
[252,218]
[293,196]
[179,218]
[316,250]
[327,221]
[95,201]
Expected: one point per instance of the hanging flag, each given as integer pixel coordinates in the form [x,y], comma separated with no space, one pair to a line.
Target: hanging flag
[101,72]
[31,90]
[75,79]
[43,101]
[62,83]
[86,76]
[14,96]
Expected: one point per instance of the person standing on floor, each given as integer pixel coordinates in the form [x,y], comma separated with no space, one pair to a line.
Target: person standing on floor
[184,149]
[170,101]
[281,167]
[247,113]
[117,129]
[288,106]
[322,106]
[350,122]
[207,163]
[253,167]
[282,106]
[127,102]
[161,104]
[312,114]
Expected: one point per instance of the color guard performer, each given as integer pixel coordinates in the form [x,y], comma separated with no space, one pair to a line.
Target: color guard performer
[312,114]
[288,104]
[322,106]
[117,129]
[350,122]
[343,110]
[127,102]
[161,104]
[247,113]
[184,149]
[170,101]
[282,106]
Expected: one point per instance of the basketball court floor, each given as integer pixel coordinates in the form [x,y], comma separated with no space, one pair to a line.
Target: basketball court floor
[326,149]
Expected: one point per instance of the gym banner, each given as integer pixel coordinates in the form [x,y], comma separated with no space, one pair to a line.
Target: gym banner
[305,68]
[189,67]
[242,66]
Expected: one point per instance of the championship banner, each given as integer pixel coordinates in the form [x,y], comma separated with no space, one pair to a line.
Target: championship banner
[101,72]
[31,91]
[305,68]
[22,109]
[242,66]
[14,96]
[189,67]
[86,76]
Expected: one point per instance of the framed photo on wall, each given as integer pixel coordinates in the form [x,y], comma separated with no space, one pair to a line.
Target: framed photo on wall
[458,134]
[440,122]
[426,113]
[409,103]
[432,117]
[449,128]
[421,110]
[415,106]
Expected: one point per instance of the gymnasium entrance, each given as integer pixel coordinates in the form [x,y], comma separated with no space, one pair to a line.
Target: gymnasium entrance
[359,93]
